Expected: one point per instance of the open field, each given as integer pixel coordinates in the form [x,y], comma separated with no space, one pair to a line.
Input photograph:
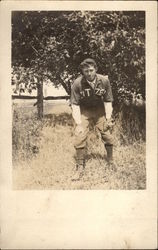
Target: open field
[43,153]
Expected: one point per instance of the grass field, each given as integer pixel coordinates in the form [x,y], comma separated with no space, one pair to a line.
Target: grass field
[43,153]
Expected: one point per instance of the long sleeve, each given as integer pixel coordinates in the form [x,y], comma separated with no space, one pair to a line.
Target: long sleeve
[108,97]
[75,94]
[76,113]
[108,109]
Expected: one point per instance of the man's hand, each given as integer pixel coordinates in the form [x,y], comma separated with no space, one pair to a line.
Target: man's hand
[109,123]
[79,129]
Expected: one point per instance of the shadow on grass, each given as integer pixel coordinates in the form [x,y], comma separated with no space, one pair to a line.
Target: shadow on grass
[95,156]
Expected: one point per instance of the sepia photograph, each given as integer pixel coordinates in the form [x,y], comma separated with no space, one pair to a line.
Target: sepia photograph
[78,100]
[78,108]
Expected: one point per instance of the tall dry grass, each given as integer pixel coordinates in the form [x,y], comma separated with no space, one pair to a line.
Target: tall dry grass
[43,154]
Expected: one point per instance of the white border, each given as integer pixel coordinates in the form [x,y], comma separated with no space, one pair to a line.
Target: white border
[78,219]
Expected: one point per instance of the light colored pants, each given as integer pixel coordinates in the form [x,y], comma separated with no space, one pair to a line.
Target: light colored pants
[98,117]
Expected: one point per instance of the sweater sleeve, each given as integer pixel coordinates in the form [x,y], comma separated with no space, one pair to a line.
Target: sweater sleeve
[76,113]
[75,94]
[108,96]
[108,109]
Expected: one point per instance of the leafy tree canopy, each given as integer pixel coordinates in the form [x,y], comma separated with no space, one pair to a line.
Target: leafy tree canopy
[51,45]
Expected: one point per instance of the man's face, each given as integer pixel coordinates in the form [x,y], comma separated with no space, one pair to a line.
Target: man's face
[89,73]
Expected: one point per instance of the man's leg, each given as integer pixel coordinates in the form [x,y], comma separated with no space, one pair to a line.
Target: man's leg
[80,142]
[106,137]
[109,150]
[80,158]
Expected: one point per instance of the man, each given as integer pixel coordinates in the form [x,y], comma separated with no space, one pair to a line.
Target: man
[91,98]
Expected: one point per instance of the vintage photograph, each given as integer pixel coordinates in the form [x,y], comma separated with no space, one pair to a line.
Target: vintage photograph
[78,100]
[78,124]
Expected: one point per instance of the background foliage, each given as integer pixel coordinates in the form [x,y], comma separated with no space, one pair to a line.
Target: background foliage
[51,45]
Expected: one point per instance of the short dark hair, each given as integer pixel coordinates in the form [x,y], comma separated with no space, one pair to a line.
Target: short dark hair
[88,62]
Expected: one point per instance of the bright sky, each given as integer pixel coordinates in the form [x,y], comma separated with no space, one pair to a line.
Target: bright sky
[52,91]
[48,90]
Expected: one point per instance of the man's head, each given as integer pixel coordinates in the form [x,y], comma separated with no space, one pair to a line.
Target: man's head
[89,68]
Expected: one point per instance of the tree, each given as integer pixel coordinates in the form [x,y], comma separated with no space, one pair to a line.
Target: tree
[52,44]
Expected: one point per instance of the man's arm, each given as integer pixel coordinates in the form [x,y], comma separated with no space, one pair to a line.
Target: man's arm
[75,101]
[108,109]
[76,113]
[108,99]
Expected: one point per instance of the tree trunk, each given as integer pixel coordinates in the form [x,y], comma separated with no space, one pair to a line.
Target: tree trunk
[40,99]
